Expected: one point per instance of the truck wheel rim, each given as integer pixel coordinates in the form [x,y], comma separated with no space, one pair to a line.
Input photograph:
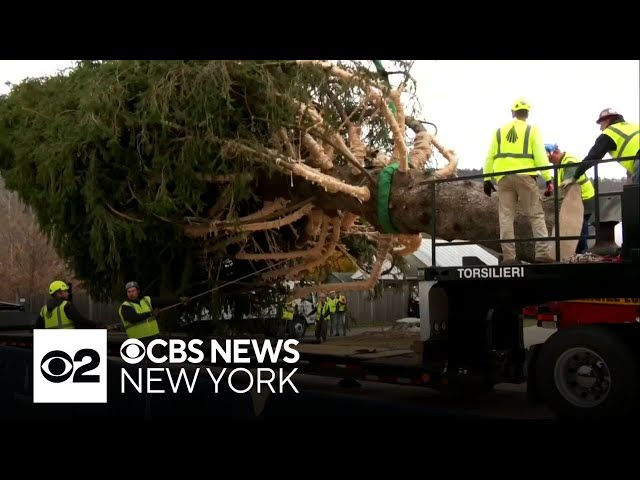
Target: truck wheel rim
[582,377]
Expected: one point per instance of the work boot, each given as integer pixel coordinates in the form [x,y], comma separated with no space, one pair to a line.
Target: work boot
[510,261]
[546,259]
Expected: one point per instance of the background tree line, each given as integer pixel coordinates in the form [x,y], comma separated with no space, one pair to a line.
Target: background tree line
[605,185]
[28,263]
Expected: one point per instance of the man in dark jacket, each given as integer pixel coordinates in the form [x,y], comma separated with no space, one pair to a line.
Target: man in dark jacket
[620,139]
[59,312]
[138,314]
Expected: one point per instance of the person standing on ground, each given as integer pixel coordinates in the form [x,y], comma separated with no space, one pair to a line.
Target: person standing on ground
[333,310]
[287,314]
[322,317]
[341,315]
[59,312]
[414,303]
[139,314]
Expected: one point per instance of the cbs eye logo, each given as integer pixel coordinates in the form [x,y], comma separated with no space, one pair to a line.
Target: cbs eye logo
[132,351]
[70,365]
[57,366]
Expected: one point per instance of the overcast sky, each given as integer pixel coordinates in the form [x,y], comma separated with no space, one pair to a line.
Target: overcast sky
[469,99]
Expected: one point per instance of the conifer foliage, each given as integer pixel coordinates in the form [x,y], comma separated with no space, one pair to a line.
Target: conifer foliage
[187,174]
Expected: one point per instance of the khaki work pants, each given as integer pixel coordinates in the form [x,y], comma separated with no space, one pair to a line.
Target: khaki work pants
[523,189]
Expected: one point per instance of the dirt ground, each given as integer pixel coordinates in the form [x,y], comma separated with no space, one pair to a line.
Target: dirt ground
[382,337]
[388,338]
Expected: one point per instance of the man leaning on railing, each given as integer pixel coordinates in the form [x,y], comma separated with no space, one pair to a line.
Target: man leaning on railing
[619,138]
[587,192]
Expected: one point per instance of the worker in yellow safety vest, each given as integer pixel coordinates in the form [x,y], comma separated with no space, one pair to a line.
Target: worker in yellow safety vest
[139,314]
[619,139]
[288,312]
[514,146]
[558,157]
[341,315]
[59,312]
[333,310]
[322,317]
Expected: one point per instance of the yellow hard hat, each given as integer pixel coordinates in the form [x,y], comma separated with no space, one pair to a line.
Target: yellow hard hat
[521,104]
[57,285]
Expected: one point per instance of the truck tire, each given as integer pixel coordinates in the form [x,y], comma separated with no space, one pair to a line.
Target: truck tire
[589,372]
[297,327]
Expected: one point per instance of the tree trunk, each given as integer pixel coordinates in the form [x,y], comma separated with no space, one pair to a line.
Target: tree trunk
[463,211]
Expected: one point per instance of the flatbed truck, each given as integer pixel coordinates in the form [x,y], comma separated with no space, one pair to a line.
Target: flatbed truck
[472,334]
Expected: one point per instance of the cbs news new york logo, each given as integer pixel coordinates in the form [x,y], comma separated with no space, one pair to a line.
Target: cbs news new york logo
[70,366]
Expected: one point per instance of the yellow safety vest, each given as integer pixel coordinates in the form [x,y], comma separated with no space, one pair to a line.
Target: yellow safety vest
[147,327]
[288,310]
[512,148]
[627,138]
[586,187]
[56,318]
[333,304]
[342,303]
[323,310]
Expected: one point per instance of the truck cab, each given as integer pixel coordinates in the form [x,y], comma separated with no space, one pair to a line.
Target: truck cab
[588,368]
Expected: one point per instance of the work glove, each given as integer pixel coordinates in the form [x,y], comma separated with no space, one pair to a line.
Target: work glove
[549,191]
[185,300]
[568,182]
[488,187]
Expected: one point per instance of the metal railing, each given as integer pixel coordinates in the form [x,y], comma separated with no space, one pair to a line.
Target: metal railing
[556,238]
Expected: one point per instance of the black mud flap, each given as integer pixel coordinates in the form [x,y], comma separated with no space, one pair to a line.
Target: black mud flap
[533,392]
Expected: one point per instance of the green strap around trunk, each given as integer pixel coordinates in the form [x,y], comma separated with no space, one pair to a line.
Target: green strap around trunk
[384,192]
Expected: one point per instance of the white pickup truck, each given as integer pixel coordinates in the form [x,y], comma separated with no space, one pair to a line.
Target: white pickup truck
[265,320]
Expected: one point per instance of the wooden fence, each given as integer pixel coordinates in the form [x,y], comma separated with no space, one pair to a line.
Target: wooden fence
[391,306]
[103,313]
[362,310]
